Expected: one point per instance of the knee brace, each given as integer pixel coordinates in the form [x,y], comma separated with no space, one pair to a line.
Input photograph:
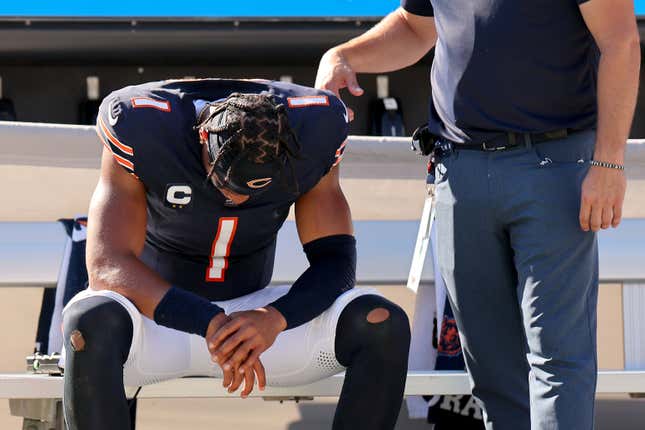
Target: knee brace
[97,336]
[373,325]
[98,326]
[372,341]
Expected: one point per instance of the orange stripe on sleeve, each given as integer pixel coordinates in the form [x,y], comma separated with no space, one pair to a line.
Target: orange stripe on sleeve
[125,148]
[122,161]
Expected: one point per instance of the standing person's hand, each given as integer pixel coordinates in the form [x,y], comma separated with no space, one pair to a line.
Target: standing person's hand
[335,73]
[603,193]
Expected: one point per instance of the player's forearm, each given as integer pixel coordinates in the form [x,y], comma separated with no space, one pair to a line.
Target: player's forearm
[167,305]
[332,271]
[125,274]
[618,76]
[390,45]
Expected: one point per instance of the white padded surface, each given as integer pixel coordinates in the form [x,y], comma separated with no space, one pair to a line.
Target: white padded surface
[30,253]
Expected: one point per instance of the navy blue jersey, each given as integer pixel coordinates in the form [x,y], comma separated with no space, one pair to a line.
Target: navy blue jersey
[193,240]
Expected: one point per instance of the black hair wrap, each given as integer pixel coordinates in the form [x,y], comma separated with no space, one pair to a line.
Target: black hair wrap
[250,143]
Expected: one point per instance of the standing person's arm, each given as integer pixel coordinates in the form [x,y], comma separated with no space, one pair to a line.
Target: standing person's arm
[613,26]
[401,39]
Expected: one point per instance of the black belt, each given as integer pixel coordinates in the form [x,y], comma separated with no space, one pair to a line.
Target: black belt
[512,140]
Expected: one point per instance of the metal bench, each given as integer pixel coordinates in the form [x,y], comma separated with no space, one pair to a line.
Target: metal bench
[385,249]
[36,397]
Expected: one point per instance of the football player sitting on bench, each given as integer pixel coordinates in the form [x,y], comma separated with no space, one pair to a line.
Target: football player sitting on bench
[197,177]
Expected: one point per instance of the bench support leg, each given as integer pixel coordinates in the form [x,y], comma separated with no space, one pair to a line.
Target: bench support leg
[634,327]
[38,414]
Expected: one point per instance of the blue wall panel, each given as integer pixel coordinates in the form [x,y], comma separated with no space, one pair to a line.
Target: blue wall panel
[197,8]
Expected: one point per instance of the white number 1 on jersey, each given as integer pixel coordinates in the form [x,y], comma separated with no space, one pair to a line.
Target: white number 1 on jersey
[221,249]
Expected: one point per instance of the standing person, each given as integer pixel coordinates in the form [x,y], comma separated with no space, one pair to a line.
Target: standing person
[532,104]
[197,177]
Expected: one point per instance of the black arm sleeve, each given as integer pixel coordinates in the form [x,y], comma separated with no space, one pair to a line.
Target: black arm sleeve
[418,7]
[185,311]
[332,271]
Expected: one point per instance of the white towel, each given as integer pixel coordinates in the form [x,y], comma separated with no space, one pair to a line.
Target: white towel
[422,354]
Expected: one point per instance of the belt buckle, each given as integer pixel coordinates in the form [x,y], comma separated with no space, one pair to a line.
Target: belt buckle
[485,147]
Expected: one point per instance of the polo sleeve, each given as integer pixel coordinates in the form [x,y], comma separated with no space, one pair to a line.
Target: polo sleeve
[420,7]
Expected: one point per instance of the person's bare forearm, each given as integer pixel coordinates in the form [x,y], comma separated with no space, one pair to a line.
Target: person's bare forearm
[398,41]
[129,276]
[115,237]
[618,76]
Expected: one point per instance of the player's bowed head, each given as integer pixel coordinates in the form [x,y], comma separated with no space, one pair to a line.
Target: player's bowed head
[248,146]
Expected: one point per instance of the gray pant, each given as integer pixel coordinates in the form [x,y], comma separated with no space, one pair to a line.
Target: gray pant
[522,278]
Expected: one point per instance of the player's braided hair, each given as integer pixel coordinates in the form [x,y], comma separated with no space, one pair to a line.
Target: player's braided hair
[257,126]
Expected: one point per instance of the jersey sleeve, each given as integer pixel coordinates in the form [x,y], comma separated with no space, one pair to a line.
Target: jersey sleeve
[338,140]
[418,7]
[324,126]
[113,133]
[320,121]
[130,125]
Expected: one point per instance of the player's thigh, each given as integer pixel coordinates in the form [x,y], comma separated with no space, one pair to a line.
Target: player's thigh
[307,353]
[157,353]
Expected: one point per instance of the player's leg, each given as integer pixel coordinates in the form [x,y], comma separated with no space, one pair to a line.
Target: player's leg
[109,344]
[557,264]
[97,337]
[476,263]
[372,341]
[361,331]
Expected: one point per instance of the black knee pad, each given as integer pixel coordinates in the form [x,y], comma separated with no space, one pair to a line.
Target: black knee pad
[384,339]
[98,326]
[97,336]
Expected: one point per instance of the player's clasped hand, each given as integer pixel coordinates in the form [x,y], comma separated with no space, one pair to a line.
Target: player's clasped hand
[235,342]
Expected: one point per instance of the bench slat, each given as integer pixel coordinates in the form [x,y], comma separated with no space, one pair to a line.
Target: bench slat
[25,386]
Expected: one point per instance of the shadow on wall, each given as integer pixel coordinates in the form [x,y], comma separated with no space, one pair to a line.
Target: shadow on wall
[616,413]
[317,416]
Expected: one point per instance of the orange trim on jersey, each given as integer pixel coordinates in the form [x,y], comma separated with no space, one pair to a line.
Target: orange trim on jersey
[305,101]
[339,154]
[147,102]
[122,161]
[123,147]
[227,252]
[102,139]
[339,151]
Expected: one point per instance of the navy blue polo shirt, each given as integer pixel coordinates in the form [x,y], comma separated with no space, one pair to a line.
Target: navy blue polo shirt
[509,65]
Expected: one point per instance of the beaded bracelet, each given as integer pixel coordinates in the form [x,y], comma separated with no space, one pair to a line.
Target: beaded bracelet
[607,165]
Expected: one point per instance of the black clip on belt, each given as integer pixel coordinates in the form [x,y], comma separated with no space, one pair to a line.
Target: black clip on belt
[424,142]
